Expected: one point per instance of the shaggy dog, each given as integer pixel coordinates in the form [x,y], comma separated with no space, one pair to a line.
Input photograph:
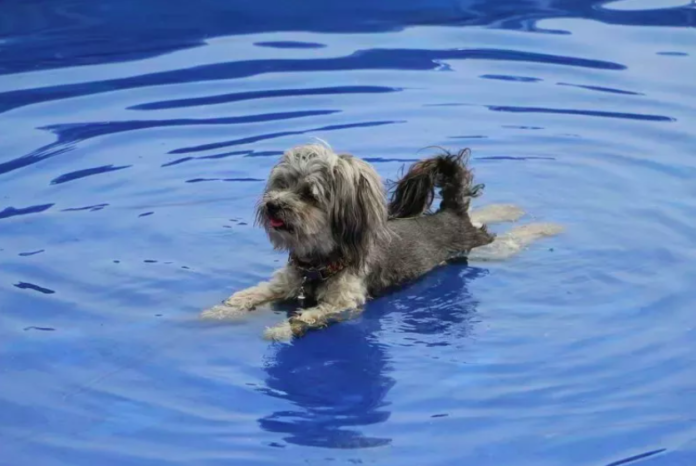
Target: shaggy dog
[346,242]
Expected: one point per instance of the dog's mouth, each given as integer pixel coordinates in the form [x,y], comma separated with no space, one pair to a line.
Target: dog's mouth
[277,223]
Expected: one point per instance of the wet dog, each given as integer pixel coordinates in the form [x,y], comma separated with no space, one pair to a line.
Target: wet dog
[347,242]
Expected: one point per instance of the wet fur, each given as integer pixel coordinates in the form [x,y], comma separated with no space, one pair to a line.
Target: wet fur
[334,207]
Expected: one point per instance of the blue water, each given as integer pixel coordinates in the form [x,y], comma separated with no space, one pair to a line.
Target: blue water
[136,136]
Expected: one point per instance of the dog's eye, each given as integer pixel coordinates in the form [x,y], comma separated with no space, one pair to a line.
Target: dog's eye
[307,193]
[280,184]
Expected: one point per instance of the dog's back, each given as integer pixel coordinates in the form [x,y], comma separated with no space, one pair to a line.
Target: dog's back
[423,240]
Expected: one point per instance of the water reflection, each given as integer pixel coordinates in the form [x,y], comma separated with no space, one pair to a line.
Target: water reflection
[337,380]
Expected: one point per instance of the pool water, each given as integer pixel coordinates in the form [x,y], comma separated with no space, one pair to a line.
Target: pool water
[136,138]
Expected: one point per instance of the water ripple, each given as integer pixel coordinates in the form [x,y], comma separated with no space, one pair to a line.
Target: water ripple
[594,113]
[601,89]
[290,44]
[265,94]
[373,59]
[263,137]
[31,286]
[76,175]
[9,212]
[578,352]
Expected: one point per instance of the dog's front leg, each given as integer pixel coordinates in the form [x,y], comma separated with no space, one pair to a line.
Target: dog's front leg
[336,298]
[283,285]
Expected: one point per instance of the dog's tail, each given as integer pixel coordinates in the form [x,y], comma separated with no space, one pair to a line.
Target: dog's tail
[414,193]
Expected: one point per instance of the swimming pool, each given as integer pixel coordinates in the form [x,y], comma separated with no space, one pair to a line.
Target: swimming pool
[136,138]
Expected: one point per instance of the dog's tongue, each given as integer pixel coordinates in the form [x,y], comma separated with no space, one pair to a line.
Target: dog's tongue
[277,223]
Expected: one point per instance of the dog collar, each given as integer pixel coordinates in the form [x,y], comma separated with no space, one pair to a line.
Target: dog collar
[316,273]
[312,274]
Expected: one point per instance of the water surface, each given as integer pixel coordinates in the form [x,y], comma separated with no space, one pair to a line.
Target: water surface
[138,135]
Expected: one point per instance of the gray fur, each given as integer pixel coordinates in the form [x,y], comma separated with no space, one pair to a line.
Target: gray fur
[333,208]
[422,243]
[345,218]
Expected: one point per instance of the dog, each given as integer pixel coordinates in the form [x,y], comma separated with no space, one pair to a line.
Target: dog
[347,242]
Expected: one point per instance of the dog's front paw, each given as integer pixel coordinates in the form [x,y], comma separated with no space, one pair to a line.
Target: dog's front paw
[243,301]
[287,330]
[223,312]
[307,317]
[280,332]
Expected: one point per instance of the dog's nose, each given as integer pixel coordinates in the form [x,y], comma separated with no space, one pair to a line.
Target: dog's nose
[272,207]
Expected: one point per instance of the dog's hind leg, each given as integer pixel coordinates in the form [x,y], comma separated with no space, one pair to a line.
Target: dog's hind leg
[495,213]
[283,285]
[512,242]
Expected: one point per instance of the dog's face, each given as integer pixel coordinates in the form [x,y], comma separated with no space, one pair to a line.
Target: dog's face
[317,203]
[295,207]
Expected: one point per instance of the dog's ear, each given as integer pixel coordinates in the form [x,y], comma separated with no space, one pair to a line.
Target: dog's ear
[358,209]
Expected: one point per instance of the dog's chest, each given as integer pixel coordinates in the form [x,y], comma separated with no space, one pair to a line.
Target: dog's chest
[312,278]
[307,294]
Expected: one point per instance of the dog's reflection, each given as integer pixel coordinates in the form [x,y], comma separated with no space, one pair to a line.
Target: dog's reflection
[336,381]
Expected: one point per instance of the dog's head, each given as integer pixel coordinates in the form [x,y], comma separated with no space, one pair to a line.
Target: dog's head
[318,204]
